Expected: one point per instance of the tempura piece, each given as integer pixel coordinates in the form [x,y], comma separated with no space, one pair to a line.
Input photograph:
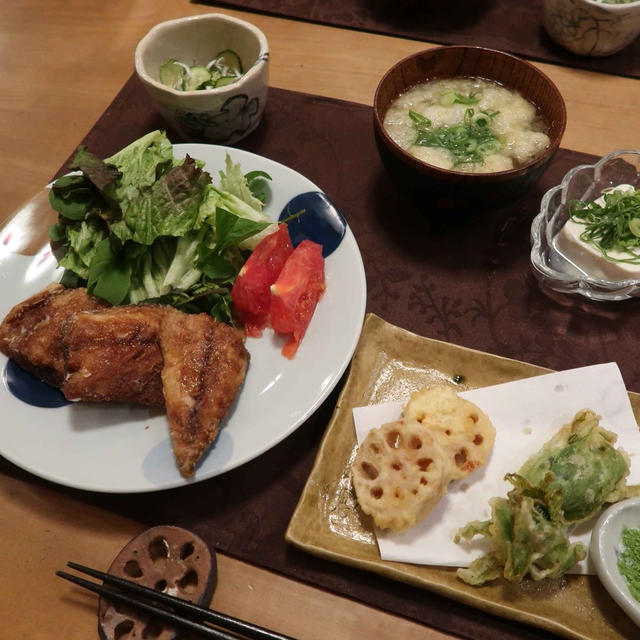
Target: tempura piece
[528,536]
[585,466]
[403,469]
[568,480]
[461,428]
[399,474]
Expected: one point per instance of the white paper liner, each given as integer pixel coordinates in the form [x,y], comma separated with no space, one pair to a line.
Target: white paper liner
[526,414]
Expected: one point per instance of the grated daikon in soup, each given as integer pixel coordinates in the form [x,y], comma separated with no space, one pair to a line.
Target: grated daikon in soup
[466,124]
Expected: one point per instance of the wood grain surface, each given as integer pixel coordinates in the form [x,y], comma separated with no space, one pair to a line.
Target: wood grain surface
[62,64]
[64,61]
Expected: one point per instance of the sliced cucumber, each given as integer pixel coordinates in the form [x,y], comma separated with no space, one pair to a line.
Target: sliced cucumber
[196,78]
[228,63]
[172,74]
[224,69]
[225,80]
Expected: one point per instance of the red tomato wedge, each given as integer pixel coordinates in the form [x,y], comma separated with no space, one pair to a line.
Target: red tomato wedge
[250,292]
[296,292]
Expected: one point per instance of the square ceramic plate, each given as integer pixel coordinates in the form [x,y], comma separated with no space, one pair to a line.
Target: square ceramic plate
[390,363]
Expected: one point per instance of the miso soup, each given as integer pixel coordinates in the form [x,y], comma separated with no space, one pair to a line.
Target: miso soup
[467,124]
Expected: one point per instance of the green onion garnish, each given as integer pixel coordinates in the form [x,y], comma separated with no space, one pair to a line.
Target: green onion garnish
[614,226]
[449,97]
[469,141]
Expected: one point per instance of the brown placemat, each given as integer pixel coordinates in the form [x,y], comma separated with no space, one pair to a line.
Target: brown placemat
[508,25]
[468,285]
[387,366]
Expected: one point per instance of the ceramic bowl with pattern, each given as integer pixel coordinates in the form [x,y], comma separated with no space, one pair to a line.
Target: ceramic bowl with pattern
[449,189]
[220,115]
[592,27]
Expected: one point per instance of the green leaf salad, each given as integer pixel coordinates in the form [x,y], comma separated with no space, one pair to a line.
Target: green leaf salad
[142,225]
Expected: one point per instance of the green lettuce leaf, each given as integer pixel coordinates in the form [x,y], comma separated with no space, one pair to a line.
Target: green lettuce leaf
[82,243]
[170,206]
[141,163]
[233,181]
[143,225]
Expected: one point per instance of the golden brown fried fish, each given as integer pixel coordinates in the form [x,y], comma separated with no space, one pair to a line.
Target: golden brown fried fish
[114,355]
[205,363]
[31,333]
[143,354]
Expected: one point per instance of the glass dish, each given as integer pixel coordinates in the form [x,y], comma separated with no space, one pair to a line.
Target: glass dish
[584,182]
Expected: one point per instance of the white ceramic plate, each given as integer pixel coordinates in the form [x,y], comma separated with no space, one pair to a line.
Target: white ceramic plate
[606,547]
[126,449]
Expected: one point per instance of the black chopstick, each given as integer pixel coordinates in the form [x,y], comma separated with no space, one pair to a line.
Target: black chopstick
[126,591]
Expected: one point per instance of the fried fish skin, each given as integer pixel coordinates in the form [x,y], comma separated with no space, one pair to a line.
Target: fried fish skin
[113,355]
[205,362]
[31,333]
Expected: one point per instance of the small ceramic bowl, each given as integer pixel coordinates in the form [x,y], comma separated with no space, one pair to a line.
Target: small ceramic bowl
[222,115]
[549,262]
[435,188]
[606,547]
[591,27]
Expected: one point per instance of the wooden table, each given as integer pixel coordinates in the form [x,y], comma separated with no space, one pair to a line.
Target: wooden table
[62,64]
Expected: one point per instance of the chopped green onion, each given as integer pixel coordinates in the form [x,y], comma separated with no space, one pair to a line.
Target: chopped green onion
[468,142]
[447,98]
[451,97]
[419,120]
[613,226]
[481,119]
[489,146]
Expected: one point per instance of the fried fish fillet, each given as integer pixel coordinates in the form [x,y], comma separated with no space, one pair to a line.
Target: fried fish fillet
[114,355]
[143,354]
[205,362]
[31,333]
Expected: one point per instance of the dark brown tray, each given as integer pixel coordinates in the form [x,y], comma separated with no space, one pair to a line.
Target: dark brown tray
[468,284]
[515,27]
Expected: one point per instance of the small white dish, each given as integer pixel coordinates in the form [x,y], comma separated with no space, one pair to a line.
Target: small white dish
[605,549]
[584,182]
